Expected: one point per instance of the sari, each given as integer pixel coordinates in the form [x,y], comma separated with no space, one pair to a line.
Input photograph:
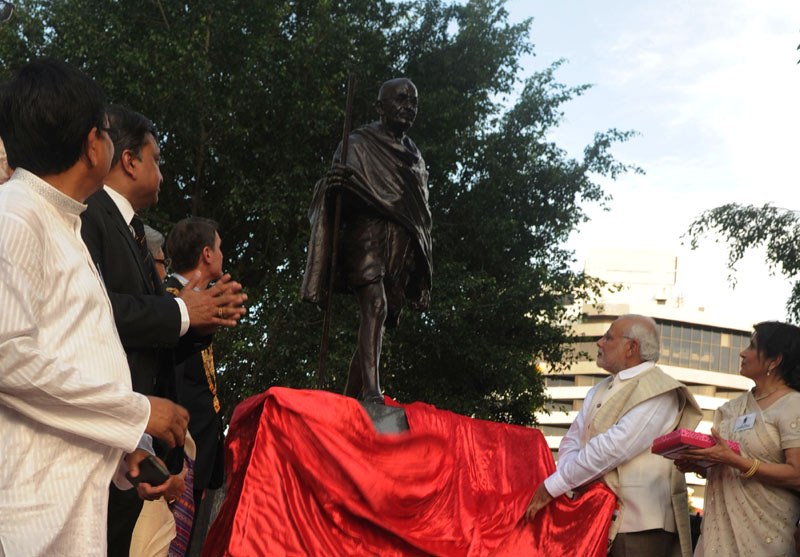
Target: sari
[743,516]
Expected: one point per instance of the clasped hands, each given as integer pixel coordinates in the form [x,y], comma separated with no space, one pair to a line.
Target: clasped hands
[220,305]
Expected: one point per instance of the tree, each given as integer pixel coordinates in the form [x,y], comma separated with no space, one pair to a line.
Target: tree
[745,227]
[248,97]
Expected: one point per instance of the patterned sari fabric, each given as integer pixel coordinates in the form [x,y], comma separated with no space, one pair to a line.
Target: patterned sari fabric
[309,476]
[743,516]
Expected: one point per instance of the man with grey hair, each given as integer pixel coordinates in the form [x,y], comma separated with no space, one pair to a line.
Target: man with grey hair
[155,245]
[610,441]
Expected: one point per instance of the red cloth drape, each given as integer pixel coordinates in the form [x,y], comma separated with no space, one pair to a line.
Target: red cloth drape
[307,475]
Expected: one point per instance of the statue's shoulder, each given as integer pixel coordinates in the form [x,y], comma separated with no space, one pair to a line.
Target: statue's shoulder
[366,134]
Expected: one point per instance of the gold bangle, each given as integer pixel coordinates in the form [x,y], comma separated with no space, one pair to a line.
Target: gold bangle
[752,471]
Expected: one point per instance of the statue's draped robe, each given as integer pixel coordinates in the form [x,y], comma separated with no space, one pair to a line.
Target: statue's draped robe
[390,177]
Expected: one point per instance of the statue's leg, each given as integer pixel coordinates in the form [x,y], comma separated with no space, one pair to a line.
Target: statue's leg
[372,302]
[353,386]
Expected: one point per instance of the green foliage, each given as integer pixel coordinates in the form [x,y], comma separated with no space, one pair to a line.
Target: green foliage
[744,227]
[248,96]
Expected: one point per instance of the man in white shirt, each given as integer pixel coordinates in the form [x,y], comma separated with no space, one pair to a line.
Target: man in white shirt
[67,410]
[611,439]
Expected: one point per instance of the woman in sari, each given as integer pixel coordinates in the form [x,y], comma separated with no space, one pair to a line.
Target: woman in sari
[750,508]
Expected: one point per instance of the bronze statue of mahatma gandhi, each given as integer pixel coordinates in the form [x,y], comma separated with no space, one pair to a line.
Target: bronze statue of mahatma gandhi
[384,240]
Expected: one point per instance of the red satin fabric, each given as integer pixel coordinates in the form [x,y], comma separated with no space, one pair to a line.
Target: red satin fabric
[307,475]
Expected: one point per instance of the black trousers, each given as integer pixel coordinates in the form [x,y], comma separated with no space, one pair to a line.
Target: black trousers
[648,543]
[123,511]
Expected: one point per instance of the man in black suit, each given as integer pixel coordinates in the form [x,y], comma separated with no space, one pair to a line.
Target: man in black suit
[194,246]
[154,328]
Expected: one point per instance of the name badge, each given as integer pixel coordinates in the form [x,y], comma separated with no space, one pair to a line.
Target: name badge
[745,422]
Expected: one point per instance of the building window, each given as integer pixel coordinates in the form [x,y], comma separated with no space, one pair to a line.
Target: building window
[700,346]
[559,381]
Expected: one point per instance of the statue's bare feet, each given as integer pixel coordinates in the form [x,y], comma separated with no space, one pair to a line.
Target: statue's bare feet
[374,398]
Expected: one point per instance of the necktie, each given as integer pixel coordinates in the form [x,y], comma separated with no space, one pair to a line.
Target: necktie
[141,240]
[141,243]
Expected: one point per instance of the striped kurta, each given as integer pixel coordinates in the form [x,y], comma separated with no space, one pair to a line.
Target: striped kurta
[67,411]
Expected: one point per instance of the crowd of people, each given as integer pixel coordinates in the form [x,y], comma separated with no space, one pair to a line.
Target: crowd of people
[105,365]
[108,362]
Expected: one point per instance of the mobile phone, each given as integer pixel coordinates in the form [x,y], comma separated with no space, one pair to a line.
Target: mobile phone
[151,471]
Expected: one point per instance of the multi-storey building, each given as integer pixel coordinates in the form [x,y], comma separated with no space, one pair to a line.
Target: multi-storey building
[699,348]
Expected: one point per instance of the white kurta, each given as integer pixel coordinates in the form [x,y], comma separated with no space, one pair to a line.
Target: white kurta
[633,434]
[67,411]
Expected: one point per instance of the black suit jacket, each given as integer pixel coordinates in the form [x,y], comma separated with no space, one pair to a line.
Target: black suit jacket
[148,322]
[205,424]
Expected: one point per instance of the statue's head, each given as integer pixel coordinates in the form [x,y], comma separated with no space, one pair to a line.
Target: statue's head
[397,104]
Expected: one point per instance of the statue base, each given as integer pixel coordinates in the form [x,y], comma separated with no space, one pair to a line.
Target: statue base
[386,419]
[308,474]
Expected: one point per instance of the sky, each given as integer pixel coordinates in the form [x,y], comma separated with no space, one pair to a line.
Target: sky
[713,88]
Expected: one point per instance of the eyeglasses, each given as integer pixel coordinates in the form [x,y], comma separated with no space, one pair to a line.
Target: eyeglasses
[6,11]
[166,261]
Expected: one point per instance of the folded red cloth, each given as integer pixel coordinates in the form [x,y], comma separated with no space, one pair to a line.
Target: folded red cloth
[308,475]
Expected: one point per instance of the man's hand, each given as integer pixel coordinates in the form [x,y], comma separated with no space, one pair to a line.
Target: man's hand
[540,499]
[168,421]
[176,485]
[338,175]
[145,490]
[220,305]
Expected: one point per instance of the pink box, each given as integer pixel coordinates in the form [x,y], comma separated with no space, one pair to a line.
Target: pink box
[671,444]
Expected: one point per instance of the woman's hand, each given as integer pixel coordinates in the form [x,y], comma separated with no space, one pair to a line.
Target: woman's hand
[720,453]
[687,466]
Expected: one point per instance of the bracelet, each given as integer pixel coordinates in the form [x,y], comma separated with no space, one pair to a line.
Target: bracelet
[752,471]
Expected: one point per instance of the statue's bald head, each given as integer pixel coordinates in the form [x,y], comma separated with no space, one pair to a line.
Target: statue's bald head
[397,105]
[389,88]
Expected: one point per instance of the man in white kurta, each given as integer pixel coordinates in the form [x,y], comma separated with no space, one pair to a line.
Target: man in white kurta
[611,439]
[67,411]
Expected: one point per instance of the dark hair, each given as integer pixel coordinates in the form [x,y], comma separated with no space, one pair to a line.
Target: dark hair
[774,339]
[129,130]
[47,110]
[186,241]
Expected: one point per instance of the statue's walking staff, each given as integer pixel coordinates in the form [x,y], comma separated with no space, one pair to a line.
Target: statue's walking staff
[326,323]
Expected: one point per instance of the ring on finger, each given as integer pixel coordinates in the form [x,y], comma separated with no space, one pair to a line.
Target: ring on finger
[219,312]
